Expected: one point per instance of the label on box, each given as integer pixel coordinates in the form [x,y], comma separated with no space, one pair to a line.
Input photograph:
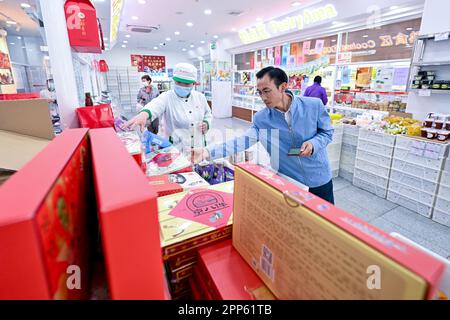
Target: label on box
[209,207]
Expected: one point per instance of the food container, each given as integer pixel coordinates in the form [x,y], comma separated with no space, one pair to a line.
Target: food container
[425,86]
[432,134]
[447,126]
[418,78]
[416,86]
[436,86]
[439,124]
[424,133]
[443,135]
[430,78]
[429,123]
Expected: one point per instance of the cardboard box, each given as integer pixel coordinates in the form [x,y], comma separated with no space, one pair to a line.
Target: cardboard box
[44,222]
[304,248]
[25,130]
[128,219]
[227,276]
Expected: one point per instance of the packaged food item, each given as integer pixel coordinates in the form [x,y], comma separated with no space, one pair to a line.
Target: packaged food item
[447,126]
[443,135]
[424,132]
[439,124]
[432,134]
[429,123]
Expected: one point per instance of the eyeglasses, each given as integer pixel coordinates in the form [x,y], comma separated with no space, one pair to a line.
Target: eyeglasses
[264,92]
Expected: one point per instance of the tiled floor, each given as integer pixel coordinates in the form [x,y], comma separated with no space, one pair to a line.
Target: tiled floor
[379,212]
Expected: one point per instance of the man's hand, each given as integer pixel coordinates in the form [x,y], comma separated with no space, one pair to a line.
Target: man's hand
[198,155]
[203,127]
[139,120]
[307,149]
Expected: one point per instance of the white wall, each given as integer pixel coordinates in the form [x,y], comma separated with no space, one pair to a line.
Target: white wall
[120,57]
[435,19]
[16,50]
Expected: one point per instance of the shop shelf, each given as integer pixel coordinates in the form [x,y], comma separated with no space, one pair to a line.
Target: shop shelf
[418,171]
[337,137]
[444,191]
[412,193]
[339,129]
[348,159]
[349,129]
[371,178]
[347,166]
[414,182]
[348,149]
[374,158]
[372,188]
[410,203]
[376,148]
[334,151]
[377,137]
[442,204]
[441,217]
[409,156]
[410,143]
[447,166]
[346,175]
[334,165]
[350,139]
[373,168]
[445,178]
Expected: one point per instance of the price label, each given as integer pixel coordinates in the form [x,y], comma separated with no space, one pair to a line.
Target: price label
[441,36]
[424,93]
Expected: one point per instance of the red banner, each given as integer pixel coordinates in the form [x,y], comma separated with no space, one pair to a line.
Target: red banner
[149,64]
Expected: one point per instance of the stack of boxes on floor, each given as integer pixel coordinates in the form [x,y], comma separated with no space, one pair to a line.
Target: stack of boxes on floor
[441,212]
[348,152]
[415,187]
[334,150]
[181,239]
[373,162]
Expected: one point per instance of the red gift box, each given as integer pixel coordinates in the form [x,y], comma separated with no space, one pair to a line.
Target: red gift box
[43,222]
[226,276]
[128,217]
[82,26]
[163,186]
[100,116]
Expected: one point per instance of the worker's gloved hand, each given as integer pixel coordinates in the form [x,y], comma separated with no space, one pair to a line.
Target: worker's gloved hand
[138,121]
[198,155]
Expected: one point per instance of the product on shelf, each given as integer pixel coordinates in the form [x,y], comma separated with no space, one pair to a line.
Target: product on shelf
[165,161]
[215,172]
[327,239]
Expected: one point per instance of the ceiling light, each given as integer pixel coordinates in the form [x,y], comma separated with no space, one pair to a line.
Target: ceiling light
[25,5]
[189,24]
[134,18]
[295,3]
[177,33]
[124,46]
[233,29]
[155,48]
[409,29]
[365,36]
[334,40]
[216,37]
[184,49]
[168,39]
[259,19]
[11,22]
[142,1]
[192,46]
[202,42]
[127,36]
[394,7]
[19,38]
[207,11]
[12,43]
[161,44]
[125,41]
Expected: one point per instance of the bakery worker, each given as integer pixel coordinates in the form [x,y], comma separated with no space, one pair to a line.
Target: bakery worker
[294,130]
[185,112]
[147,93]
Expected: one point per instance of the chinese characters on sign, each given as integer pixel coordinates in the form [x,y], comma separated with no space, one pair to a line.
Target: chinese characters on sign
[149,64]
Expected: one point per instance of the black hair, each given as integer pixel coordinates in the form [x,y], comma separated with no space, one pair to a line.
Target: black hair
[146,77]
[318,79]
[276,74]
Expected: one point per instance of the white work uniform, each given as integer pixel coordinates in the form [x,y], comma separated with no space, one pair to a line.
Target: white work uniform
[182,117]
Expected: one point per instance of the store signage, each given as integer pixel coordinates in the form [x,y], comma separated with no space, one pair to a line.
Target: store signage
[82,26]
[155,65]
[344,57]
[274,28]
[116,10]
